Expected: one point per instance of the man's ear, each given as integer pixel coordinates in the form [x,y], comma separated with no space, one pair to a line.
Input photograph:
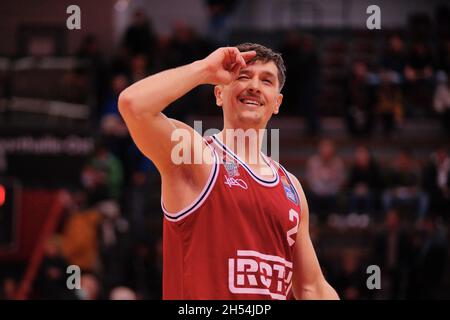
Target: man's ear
[218,95]
[278,104]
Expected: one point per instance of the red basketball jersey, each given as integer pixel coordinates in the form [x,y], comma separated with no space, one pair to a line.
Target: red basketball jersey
[236,240]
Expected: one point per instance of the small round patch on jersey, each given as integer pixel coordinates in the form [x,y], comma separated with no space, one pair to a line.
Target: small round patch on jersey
[232,168]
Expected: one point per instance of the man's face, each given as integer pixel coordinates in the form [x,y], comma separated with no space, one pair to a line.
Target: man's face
[251,99]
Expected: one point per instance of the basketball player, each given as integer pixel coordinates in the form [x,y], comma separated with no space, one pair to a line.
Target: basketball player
[233,228]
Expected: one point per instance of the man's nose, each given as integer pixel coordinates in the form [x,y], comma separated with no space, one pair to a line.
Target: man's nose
[254,85]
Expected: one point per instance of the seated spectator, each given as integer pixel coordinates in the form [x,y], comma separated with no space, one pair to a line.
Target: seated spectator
[389,102]
[139,37]
[103,175]
[359,100]
[350,282]
[90,287]
[437,182]
[419,80]
[8,289]
[404,186]
[122,293]
[394,57]
[118,83]
[420,63]
[441,101]
[52,276]
[113,244]
[392,254]
[325,176]
[430,260]
[444,56]
[79,239]
[363,182]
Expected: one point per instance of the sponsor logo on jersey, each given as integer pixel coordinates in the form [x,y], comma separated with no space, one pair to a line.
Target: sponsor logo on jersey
[289,190]
[251,272]
[229,181]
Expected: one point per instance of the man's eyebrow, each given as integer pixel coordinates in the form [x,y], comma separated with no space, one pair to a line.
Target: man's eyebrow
[270,74]
[265,73]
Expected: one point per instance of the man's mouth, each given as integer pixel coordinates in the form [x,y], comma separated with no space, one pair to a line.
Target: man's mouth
[251,101]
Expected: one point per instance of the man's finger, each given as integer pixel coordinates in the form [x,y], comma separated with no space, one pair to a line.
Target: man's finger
[242,61]
[248,55]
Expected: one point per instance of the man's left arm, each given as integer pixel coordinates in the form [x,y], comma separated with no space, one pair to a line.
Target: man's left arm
[308,282]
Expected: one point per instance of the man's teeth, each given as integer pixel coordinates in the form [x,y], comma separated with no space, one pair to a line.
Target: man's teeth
[251,102]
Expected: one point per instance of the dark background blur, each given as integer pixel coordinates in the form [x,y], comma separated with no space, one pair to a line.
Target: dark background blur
[364,126]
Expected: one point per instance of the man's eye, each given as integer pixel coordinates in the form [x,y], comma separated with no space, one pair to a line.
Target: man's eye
[243,77]
[267,81]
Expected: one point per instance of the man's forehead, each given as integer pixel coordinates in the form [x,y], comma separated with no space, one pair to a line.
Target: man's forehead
[261,66]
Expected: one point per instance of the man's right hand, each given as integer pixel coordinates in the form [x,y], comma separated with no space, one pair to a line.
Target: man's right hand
[224,64]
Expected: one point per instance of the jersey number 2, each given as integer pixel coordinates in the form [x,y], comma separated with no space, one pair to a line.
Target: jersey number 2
[293,216]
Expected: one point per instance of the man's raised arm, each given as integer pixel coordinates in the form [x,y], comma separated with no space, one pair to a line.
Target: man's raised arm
[141,104]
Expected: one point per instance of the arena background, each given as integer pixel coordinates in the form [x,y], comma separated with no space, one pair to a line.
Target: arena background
[364,126]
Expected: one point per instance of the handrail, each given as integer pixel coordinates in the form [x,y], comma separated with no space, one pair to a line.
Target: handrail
[48,229]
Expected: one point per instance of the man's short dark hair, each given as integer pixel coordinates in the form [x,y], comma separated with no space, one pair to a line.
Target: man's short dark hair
[265,54]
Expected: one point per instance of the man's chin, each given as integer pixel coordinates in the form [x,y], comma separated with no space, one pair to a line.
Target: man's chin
[252,118]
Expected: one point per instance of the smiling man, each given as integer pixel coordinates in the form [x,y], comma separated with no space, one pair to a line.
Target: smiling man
[236,223]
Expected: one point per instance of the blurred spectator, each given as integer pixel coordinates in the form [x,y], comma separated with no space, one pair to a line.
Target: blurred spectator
[442,101]
[419,79]
[363,182]
[184,47]
[308,80]
[394,57]
[118,82]
[437,182]
[291,49]
[301,92]
[359,100]
[420,62]
[90,287]
[8,289]
[114,131]
[392,253]
[444,56]
[141,193]
[350,280]
[103,175]
[122,293]
[389,102]
[139,37]
[404,186]
[139,67]
[79,239]
[325,177]
[113,244]
[52,276]
[145,270]
[430,262]
[89,51]
[219,27]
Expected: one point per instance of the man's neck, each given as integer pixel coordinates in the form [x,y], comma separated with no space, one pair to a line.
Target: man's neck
[245,143]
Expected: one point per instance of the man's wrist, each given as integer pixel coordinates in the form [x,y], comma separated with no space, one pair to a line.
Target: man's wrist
[201,70]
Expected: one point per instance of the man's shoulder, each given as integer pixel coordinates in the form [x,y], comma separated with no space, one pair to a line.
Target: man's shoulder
[291,176]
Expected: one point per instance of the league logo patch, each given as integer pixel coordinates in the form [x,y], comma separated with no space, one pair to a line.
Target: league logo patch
[232,168]
[289,191]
